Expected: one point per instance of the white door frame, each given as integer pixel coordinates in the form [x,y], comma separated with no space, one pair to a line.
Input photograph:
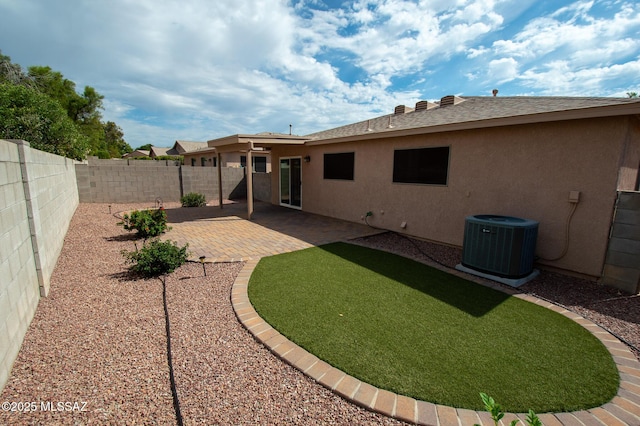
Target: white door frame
[293,206]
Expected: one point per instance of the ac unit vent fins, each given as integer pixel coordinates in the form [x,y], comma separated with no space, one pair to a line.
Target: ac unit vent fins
[500,245]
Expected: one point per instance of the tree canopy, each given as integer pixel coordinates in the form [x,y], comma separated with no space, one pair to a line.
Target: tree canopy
[145,147]
[30,106]
[40,120]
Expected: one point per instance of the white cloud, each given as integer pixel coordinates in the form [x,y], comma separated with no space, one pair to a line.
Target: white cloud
[559,78]
[475,52]
[394,37]
[503,70]
[578,32]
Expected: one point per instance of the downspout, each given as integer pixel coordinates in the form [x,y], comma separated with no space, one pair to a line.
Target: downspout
[249,172]
[219,164]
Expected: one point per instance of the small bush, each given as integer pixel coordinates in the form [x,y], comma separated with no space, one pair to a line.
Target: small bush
[148,223]
[177,158]
[193,199]
[157,257]
[497,413]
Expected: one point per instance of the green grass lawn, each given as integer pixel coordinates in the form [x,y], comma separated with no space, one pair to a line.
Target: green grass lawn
[414,330]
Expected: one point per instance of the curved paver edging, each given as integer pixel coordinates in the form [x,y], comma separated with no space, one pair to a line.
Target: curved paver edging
[623,409]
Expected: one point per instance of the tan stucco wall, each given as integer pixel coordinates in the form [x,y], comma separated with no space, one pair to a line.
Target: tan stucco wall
[525,171]
[229,159]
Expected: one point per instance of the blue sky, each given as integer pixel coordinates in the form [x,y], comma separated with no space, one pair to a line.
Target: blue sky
[202,69]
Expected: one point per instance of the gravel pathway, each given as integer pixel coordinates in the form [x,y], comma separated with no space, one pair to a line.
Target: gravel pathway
[99,339]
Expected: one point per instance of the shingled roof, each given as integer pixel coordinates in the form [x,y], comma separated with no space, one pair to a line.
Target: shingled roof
[456,113]
[188,146]
[158,151]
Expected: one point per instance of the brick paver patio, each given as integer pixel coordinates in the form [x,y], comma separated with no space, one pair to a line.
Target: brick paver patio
[224,235]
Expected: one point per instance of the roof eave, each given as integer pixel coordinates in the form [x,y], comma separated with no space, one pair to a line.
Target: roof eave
[576,114]
[243,142]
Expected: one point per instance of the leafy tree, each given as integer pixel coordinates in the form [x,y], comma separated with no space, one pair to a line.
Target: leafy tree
[145,147]
[106,140]
[114,139]
[12,73]
[80,108]
[33,116]
[632,94]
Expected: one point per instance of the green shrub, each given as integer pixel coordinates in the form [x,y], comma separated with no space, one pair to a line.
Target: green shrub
[157,257]
[148,223]
[193,199]
[176,158]
[497,413]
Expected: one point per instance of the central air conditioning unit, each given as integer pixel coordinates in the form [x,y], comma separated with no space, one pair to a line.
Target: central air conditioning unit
[501,246]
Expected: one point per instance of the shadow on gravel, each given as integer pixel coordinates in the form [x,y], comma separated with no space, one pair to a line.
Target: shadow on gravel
[126,276]
[122,237]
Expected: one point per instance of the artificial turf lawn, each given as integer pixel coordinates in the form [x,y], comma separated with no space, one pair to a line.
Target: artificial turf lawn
[411,329]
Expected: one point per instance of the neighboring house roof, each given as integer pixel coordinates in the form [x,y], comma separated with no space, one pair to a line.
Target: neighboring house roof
[456,113]
[204,150]
[157,151]
[136,153]
[188,146]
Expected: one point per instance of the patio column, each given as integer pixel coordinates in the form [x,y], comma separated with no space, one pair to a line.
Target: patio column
[249,171]
[219,155]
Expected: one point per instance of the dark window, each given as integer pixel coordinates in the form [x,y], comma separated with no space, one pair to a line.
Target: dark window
[203,161]
[215,161]
[339,166]
[260,164]
[422,165]
[193,162]
[243,161]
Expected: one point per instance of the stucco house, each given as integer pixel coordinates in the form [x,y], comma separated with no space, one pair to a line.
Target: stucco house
[179,147]
[159,151]
[182,147]
[422,170]
[207,157]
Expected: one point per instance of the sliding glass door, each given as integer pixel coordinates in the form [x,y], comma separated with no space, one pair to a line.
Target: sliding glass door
[290,182]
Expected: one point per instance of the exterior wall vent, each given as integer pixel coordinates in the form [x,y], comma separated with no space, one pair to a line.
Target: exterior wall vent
[500,245]
[422,105]
[450,100]
[402,109]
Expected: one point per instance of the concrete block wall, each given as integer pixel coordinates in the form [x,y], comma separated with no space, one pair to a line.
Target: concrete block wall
[262,187]
[137,181]
[38,197]
[127,181]
[622,264]
[54,197]
[204,180]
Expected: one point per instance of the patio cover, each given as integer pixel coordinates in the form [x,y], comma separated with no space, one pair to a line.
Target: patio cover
[248,144]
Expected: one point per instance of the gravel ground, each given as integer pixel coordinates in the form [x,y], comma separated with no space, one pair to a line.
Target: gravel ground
[100,339]
[605,306]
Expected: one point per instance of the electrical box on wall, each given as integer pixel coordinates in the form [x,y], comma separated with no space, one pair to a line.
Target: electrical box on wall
[574,196]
